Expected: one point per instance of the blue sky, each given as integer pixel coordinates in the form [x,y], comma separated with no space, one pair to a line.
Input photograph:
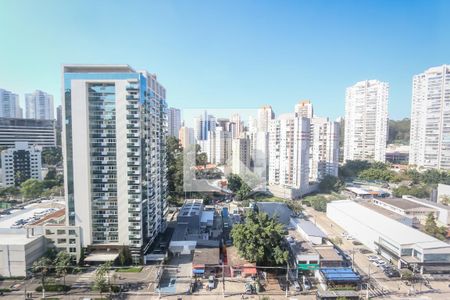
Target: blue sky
[231,54]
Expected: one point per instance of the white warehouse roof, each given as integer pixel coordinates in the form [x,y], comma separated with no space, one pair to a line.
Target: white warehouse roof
[394,230]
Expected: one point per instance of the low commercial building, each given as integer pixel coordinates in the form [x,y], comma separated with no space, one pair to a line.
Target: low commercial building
[309,231]
[399,243]
[442,213]
[335,277]
[238,266]
[206,261]
[358,193]
[195,227]
[329,257]
[35,132]
[18,251]
[410,221]
[405,207]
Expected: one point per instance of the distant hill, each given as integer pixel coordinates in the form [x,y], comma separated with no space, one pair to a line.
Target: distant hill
[399,131]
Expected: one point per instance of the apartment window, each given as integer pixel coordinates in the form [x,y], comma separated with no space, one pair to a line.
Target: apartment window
[61,231]
[72,232]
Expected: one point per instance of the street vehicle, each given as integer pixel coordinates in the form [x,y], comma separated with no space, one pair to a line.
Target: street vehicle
[211,282]
[297,286]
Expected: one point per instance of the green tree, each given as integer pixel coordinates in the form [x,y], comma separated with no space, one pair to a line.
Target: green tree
[259,239]
[399,131]
[234,182]
[125,258]
[63,263]
[243,192]
[174,170]
[101,280]
[419,191]
[51,174]
[433,229]
[9,192]
[336,240]
[32,188]
[41,267]
[51,156]
[352,168]
[331,183]
[378,174]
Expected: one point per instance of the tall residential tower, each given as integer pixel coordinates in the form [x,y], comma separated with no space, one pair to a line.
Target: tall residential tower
[114,145]
[39,106]
[366,120]
[430,119]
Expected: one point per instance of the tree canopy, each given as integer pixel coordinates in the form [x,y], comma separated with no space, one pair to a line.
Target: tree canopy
[32,188]
[330,183]
[259,239]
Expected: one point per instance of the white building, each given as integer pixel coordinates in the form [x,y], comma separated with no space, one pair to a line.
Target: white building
[240,155]
[203,124]
[366,120]
[114,155]
[173,121]
[395,241]
[9,105]
[20,164]
[265,115]
[324,156]
[39,106]
[430,119]
[304,109]
[18,252]
[186,136]
[35,132]
[289,141]
[236,126]
[223,146]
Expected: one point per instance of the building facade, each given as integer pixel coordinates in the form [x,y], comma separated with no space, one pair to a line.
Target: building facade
[35,132]
[186,136]
[430,119]
[324,156]
[39,106]
[173,121]
[289,140]
[20,164]
[9,105]
[366,120]
[114,149]
[265,115]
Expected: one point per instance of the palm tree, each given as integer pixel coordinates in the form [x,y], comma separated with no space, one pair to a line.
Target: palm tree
[63,262]
[42,267]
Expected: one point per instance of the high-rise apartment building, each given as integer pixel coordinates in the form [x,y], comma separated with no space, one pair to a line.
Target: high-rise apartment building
[430,119]
[304,109]
[59,116]
[9,105]
[186,136]
[324,156]
[114,137]
[39,106]
[236,126]
[20,164]
[204,124]
[366,120]
[240,161]
[289,142]
[265,115]
[174,121]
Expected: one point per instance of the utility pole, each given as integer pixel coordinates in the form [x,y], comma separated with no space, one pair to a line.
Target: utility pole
[223,280]
[368,283]
[287,277]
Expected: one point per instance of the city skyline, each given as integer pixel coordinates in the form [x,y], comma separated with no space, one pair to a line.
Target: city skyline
[200,64]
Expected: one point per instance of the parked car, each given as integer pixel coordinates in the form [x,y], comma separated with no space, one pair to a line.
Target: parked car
[390,272]
[297,286]
[373,257]
[248,288]
[211,282]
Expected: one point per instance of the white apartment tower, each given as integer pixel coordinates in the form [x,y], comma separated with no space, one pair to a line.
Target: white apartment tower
[265,115]
[430,119]
[114,136]
[9,105]
[366,120]
[186,136]
[289,140]
[240,155]
[304,109]
[324,156]
[39,106]
[20,164]
[174,121]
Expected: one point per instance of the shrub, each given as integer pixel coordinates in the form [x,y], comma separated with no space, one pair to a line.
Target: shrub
[54,288]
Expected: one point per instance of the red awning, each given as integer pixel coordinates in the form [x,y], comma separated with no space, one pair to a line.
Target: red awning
[199,266]
[249,270]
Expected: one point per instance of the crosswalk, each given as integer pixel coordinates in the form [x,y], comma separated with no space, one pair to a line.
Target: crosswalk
[85,280]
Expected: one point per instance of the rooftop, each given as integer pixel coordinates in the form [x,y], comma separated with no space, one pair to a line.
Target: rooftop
[340,274]
[234,259]
[400,203]
[275,209]
[191,207]
[206,256]
[384,226]
[328,253]
[98,69]
[357,190]
[383,211]
[16,238]
[309,228]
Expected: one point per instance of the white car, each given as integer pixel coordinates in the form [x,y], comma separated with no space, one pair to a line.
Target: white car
[372,258]
[349,237]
